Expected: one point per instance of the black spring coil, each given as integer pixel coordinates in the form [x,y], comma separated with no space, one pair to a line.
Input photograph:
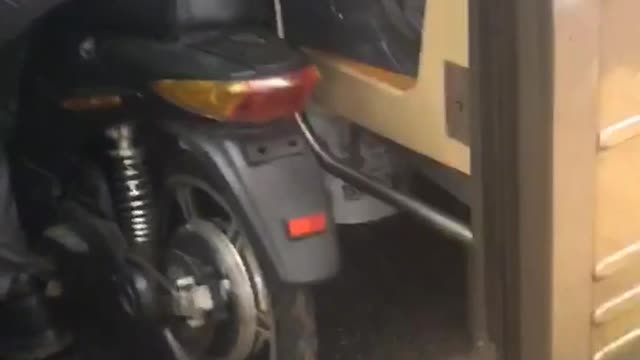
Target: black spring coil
[131,187]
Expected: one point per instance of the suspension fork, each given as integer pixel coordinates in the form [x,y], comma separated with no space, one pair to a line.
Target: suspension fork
[132,191]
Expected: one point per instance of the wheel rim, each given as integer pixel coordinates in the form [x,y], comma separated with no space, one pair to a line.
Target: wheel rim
[214,236]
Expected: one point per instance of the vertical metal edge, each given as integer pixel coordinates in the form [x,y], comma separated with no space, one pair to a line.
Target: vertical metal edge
[533,134]
[493,170]
[485,292]
[576,67]
[532,254]
[557,59]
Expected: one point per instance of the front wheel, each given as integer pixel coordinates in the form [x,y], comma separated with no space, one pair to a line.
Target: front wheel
[252,315]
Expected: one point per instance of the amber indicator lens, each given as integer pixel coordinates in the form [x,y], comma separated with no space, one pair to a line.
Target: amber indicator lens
[259,100]
[87,103]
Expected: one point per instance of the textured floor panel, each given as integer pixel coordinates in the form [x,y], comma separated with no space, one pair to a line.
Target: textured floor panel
[400,296]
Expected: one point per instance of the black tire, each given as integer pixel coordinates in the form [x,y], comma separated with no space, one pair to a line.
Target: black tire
[292,307]
[295,323]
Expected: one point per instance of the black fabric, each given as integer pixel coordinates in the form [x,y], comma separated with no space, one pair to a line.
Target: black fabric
[17,15]
[16,18]
[10,229]
[382,33]
[28,328]
[12,239]
[11,64]
[172,17]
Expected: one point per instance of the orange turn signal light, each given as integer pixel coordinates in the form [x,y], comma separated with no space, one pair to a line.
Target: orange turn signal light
[306,226]
[258,100]
[86,103]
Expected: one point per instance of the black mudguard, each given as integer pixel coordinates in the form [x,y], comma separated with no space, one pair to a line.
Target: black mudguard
[273,177]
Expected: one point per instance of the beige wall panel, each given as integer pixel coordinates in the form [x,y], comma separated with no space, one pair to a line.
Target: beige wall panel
[620,69]
[616,293]
[618,201]
[615,339]
[575,125]
[616,317]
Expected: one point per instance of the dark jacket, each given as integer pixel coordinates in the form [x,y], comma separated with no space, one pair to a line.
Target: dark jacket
[17,15]
[15,18]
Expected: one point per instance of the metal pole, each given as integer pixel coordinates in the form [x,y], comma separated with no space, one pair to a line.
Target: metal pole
[428,214]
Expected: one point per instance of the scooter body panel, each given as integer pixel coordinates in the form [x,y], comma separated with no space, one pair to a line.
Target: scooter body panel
[271,187]
[274,179]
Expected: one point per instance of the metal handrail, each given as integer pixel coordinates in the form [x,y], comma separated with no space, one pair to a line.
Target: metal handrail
[449,225]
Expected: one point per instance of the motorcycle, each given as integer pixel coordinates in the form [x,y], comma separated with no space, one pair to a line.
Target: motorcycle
[158,162]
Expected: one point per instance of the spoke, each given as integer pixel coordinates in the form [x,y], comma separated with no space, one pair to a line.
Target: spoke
[264,322]
[179,353]
[264,330]
[238,242]
[184,196]
[232,233]
[262,338]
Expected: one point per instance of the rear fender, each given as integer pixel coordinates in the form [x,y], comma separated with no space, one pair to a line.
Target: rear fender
[271,177]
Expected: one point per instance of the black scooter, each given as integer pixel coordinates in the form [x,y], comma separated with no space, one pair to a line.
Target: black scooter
[159,164]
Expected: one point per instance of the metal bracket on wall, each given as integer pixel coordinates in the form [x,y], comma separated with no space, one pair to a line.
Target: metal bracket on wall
[454,228]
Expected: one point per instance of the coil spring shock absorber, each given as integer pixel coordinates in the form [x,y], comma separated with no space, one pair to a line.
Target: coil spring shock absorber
[131,187]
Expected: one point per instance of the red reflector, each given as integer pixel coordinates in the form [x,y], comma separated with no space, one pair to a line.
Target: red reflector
[273,98]
[307,226]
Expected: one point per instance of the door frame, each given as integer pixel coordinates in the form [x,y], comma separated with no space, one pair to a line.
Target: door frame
[533,166]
